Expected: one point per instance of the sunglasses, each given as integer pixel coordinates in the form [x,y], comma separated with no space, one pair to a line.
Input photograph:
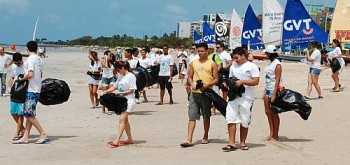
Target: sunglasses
[218,47]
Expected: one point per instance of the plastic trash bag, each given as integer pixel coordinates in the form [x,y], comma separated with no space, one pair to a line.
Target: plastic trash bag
[54,91]
[175,71]
[115,103]
[288,100]
[223,76]
[148,76]
[19,91]
[335,65]
[95,76]
[219,103]
[141,78]
[154,72]
[234,91]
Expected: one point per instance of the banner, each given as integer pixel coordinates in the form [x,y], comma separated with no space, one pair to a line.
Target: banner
[235,30]
[196,37]
[252,33]
[298,27]
[272,24]
[221,30]
[208,34]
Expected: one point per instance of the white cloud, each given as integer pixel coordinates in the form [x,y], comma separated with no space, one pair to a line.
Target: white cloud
[114,5]
[175,9]
[14,3]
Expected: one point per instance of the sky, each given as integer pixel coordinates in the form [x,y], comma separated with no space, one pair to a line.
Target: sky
[71,19]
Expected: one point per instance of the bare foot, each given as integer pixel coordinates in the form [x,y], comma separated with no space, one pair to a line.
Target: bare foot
[268,137]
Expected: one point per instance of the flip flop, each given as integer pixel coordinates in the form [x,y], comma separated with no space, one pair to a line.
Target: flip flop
[186,144]
[19,142]
[42,141]
[205,141]
[229,148]
[16,138]
[113,145]
[244,147]
[126,142]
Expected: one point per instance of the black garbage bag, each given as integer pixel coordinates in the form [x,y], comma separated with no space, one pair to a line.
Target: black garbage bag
[141,78]
[154,72]
[219,103]
[223,76]
[288,100]
[148,75]
[19,90]
[335,65]
[96,76]
[234,91]
[54,91]
[175,71]
[115,103]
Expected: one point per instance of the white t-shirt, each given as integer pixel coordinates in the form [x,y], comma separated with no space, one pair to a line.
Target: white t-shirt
[94,68]
[107,71]
[336,52]
[165,61]
[133,63]
[270,74]
[125,83]
[224,57]
[155,59]
[35,64]
[316,55]
[17,70]
[193,57]
[145,62]
[182,54]
[246,71]
[4,60]
[183,70]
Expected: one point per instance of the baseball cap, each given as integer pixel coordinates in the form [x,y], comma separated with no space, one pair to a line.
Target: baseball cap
[270,49]
[211,46]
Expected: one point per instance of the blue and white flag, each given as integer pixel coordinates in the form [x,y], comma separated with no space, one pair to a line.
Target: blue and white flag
[196,37]
[298,27]
[252,33]
[208,34]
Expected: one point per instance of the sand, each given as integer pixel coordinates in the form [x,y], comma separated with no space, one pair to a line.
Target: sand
[79,135]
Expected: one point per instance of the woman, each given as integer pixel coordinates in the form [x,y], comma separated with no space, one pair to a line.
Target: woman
[183,74]
[124,86]
[107,74]
[95,69]
[273,72]
[315,70]
[336,54]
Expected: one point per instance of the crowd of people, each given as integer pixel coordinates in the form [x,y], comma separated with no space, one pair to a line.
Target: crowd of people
[203,67]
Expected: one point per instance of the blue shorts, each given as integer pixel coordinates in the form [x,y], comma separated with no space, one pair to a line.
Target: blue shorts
[315,71]
[16,108]
[268,93]
[29,108]
[107,81]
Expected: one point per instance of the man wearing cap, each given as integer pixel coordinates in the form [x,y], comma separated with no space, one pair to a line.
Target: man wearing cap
[5,62]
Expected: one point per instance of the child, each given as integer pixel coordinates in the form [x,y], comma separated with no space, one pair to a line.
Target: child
[183,74]
[17,108]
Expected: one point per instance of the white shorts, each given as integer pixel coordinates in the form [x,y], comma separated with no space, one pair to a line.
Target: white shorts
[131,104]
[92,81]
[238,111]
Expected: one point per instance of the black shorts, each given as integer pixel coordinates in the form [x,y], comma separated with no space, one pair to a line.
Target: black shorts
[164,82]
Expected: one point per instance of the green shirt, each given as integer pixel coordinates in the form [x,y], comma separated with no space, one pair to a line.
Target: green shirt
[216,58]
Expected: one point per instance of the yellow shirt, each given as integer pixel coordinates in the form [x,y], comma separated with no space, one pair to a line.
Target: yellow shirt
[202,71]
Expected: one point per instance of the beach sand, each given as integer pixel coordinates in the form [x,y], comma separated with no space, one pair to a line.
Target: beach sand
[79,135]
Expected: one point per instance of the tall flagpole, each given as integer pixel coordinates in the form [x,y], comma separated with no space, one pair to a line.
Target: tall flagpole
[34,33]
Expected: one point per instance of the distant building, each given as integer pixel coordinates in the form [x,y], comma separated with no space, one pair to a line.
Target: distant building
[211,18]
[184,30]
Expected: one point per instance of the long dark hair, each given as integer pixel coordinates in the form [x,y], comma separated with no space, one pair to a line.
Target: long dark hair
[94,56]
[111,61]
[184,63]
[336,41]
[122,64]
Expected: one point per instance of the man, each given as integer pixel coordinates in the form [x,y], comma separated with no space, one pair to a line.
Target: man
[5,62]
[128,57]
[182,54]
[226,60]
[194,54]
[34,71]
[166,63]
[238,111]
[205,70]
[250,56]
[216,59]
[145,62]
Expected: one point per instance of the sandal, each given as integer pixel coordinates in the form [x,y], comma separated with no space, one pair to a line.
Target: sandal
[126,142]
[113,145]
[205,141]
[244,147]
[42,141]
[19,142]
[16,138]
[229,148]
[186,144]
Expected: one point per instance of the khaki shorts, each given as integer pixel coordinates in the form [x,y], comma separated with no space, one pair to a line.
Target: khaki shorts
[199,104]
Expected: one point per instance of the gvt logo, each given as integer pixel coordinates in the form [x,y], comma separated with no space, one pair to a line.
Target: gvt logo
[252,34]
[291,25]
